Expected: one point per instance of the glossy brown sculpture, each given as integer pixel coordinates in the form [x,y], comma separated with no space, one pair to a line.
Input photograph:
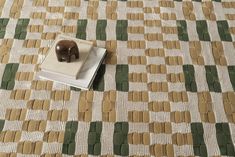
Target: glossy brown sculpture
[65,49]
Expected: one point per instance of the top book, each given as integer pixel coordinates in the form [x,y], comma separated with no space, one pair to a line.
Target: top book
[72,69]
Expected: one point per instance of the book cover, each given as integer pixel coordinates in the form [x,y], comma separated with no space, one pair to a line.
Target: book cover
[86,75]
[51,64]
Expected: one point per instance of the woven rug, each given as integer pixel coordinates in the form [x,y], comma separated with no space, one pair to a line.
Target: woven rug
[166,87]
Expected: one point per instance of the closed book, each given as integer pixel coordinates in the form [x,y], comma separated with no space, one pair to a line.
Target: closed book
[86,75]
[72,69]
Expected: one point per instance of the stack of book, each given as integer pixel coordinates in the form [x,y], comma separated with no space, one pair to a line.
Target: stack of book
[78,73]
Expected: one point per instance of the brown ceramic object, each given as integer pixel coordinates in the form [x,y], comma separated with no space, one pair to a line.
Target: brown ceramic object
[65,49]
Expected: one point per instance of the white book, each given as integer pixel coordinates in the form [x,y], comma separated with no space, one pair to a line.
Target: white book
[72,69]
[86,75]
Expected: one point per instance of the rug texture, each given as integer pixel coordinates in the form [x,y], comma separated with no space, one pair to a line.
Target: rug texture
[166,87]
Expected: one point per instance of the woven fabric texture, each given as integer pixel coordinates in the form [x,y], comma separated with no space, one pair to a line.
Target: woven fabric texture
[166,87]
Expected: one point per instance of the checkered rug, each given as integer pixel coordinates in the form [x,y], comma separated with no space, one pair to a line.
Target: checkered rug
[166,87]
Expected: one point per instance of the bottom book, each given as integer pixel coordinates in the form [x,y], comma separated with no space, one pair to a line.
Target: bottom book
[86,75]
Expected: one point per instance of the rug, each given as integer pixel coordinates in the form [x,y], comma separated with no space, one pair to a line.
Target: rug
[166,87]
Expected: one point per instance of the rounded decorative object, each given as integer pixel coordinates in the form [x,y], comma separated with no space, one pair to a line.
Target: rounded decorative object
[65,49]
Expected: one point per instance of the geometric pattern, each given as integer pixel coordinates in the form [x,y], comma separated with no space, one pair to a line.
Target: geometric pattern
[166,87]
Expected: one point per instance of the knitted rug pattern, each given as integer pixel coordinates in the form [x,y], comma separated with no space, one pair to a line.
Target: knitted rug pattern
[166,87]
